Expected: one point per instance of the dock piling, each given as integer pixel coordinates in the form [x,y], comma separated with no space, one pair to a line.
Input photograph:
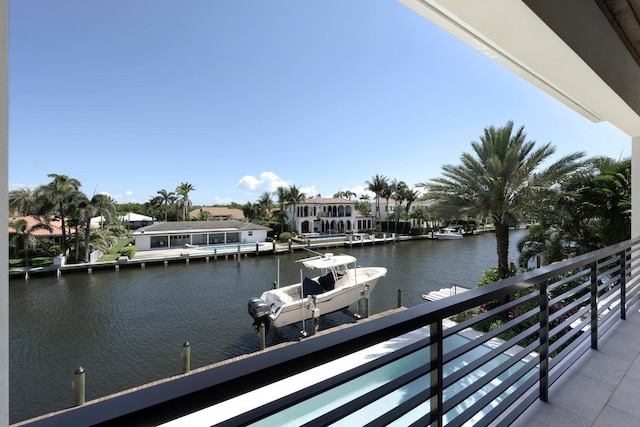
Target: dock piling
[186,357]
[262,334]
[79,386]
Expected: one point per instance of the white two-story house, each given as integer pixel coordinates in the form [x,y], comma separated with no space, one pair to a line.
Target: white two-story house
[331,215]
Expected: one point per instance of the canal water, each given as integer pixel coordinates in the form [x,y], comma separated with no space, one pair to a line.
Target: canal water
[127,328]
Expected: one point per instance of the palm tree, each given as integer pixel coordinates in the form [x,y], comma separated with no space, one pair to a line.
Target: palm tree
[57,198]
[500,179]
[265,204]
[398,190]
[410,196]
[295,197]
[23,201]
[183,190]
[282,193]
[100,205]
[377,185]
[164,199]
[20,228]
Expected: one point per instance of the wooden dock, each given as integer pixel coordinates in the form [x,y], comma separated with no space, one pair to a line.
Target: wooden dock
[443,293]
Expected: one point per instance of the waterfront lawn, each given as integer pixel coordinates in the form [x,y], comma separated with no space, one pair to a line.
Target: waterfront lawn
[33,262]
[114,253]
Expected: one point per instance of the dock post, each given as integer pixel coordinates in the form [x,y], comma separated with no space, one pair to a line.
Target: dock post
[142,265]
[166,263]
[274,245]
[367,301]
[289,245]
[117,268]
[257,248]
[89,270]
[186,357]
[399,298]
[215,254]
[262,334]
[26,275]
[238,255]
[78,385]
[315,313]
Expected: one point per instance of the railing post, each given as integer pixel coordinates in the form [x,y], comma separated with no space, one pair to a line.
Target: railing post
[436,362]
[594,305]
[623,285]
[399,298]
[544,341]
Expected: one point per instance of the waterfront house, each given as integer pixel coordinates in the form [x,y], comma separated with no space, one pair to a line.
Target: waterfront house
[178,234]
[134,220]
[325,215]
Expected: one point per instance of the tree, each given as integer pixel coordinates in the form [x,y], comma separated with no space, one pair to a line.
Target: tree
[57,198]
[164,199]
[282,193]
[183,191]
[265,204]
[590,210]
[23,201]
[20,229]
[377,185]
[295,197]
[398,190]
[500,178]
[100,205]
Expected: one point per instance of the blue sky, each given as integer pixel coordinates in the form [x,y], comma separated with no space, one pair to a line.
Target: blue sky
[239,97]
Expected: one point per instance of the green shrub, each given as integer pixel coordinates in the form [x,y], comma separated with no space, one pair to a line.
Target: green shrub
[128,251]
[284,237]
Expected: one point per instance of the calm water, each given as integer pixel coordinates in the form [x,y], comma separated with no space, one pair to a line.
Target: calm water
[127,328]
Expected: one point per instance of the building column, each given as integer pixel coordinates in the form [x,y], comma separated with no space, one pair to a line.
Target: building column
[635,186]
[4,212]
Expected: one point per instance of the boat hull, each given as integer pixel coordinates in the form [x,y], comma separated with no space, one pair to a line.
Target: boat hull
[287,306]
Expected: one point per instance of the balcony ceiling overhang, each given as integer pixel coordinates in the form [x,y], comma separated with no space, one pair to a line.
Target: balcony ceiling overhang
[584,53]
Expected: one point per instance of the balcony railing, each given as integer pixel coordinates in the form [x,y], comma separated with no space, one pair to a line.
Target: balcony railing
[476,358]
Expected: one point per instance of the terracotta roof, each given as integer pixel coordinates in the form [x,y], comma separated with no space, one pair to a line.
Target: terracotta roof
[54,223]
[218,211]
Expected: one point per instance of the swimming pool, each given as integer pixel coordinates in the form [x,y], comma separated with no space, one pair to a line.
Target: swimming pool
[315,407]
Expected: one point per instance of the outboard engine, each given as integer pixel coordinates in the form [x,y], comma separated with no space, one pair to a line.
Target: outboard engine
[259,310]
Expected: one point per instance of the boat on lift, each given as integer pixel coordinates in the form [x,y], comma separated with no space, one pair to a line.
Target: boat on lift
[337,283]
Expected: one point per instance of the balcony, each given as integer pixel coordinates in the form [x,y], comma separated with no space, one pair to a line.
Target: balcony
[433,363]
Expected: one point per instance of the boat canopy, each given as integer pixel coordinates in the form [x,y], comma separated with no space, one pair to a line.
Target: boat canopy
[328,261]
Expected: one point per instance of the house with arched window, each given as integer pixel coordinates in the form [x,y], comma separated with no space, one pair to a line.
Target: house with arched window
[332,215]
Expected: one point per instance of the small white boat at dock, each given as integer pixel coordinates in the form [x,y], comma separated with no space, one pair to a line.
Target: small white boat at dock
[448,234]
[340,283]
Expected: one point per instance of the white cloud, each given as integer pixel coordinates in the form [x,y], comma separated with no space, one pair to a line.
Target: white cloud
[268,181]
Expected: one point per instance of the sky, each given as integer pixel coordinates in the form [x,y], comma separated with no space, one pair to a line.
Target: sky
[239,97]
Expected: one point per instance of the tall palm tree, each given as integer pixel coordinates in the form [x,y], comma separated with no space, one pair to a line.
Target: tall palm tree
[20,228]
[164,199]
[398,190]
[183,191]
[100,205]
[500,178]
[57,198]
[23,201]
[377,186]
[295,197]
[282,194]
[265,204]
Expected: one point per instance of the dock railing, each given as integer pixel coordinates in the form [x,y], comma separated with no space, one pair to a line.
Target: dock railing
[508,342]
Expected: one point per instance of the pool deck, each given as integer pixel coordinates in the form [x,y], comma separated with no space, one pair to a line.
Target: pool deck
[601,389]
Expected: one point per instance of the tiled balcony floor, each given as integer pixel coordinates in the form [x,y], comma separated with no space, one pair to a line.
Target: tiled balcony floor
[601,389]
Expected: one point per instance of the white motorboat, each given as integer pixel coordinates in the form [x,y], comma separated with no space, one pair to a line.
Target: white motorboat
[447,234]
[340,283]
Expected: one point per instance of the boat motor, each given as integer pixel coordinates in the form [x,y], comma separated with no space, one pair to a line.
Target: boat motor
[259,310]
